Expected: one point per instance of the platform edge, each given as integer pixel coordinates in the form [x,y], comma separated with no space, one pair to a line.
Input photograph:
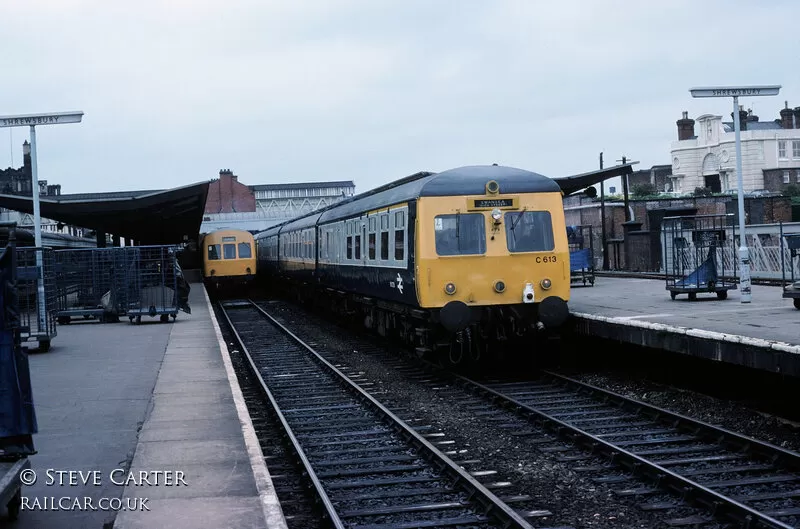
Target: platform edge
[271,507]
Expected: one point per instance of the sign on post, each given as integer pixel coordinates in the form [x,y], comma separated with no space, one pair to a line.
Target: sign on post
[32,120]
[735,92]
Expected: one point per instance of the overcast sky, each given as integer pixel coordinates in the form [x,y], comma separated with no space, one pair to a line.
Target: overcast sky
[373,90]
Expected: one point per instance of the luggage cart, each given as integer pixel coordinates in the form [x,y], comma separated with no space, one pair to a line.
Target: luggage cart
[152,280]
[581,254]
[36,307]
[790,266]
[90,284]
[697,250]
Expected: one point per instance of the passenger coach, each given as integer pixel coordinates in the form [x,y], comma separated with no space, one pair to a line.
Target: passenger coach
[443,260]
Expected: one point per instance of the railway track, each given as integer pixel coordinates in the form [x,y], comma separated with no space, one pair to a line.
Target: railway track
[687,472]
[368,468]
[738,479]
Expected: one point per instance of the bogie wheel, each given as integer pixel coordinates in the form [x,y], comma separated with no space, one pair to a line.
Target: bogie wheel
[44,345]
[14,505]
[797,303]
[722,294]
[673,294]
[164,318]
[692,296]
[138,320]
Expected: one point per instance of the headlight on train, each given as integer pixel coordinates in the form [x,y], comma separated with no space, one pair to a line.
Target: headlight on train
[499,287]
[248,270]
[450,288]
[213,271]
[546,284]
[496,214]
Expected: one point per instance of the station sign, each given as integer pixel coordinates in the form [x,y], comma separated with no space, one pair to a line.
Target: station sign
[55,118]
[735,91]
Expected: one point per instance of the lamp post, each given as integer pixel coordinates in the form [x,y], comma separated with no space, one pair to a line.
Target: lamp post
[32,120]
[735,92]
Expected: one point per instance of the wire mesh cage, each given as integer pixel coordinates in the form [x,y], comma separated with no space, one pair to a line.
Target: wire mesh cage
[37,295]
[91,284]
[790,266]
[152,282]
[700,255]
[581,254]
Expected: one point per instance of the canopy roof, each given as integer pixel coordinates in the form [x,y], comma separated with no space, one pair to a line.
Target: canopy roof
[147,217]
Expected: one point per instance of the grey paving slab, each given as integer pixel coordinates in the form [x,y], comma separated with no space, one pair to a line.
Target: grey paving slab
[768,316]
[191,430]
[196,513]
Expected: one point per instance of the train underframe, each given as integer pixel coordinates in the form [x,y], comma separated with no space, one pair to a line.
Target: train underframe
[493,333]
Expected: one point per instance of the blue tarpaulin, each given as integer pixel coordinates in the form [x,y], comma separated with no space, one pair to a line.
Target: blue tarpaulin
[17,415]
[580,260]
[703,275]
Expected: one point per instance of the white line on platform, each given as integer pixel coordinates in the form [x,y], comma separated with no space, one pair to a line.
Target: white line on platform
[270,505]
[643,316]
[699,333]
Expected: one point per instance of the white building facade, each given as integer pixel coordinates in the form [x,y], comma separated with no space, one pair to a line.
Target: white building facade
[770,154]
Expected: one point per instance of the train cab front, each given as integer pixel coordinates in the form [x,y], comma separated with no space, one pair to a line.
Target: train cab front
[500,262]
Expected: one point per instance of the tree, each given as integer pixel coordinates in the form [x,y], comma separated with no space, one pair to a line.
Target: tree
[645,189]
[702,192]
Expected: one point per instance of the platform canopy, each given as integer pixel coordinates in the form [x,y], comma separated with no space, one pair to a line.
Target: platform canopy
[572,184]
[170,216]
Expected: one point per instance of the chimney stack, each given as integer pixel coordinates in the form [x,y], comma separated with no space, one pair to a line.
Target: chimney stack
[751,118]
[742,118]
[786,117]
[685,127]
[797,117]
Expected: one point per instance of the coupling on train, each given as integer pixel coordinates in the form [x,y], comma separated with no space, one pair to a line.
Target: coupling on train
[229,259]
[447,262]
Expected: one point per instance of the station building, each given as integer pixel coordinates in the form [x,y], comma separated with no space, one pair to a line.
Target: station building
[232,204]
[706,157]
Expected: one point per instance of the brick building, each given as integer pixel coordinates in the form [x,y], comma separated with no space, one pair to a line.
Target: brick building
[228,195]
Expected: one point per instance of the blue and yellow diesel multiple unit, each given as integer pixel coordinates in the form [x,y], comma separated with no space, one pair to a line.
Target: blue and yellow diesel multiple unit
[440,260]
[228,258]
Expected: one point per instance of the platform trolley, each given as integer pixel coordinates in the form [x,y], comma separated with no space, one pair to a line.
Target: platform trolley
[90,284]
[37,295]
[699,255]
[152,282]
[790,266]
[581,254]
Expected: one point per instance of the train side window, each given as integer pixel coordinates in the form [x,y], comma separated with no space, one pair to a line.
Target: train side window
[529,231]
[384,246]
[229,251]
[399,220]
[213,252]
[399,246]
[384,221]
[371,241]
[373,221]
[245,252]
[349,247]
[358,247]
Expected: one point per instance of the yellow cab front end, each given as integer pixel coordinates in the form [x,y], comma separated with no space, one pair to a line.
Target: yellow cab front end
[493,251]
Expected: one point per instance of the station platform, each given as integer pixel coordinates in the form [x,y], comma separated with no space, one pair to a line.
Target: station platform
[144,411]
[763,334]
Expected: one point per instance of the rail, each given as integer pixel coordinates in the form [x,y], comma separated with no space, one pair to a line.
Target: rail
[559,403]
[288,359]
